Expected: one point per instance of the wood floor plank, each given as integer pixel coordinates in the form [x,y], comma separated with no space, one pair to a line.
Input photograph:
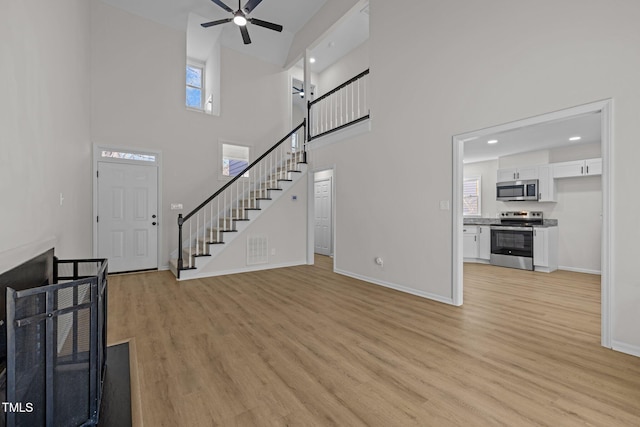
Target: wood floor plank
[305,346]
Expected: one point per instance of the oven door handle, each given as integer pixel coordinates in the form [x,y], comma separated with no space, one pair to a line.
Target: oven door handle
[510,228]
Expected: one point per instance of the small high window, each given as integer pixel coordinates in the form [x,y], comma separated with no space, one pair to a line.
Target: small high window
[195,86]
[235,159]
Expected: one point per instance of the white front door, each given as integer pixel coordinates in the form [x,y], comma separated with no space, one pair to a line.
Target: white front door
[322,217]
[128,216]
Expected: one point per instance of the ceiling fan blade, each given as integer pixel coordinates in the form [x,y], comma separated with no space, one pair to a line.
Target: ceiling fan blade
[212,23]
[222,5]
[245,34]
[265,24]
[251,4]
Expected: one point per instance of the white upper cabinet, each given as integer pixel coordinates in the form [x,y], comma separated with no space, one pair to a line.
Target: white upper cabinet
[546,184]
[593,166]
[514,174]
[577,168]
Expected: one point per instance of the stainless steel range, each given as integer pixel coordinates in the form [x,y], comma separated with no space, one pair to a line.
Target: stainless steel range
[512,240]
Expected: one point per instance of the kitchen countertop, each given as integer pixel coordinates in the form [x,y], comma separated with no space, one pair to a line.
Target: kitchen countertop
[495,221]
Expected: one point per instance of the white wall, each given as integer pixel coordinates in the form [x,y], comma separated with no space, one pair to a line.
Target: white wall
[330,13]
[212,79]
[347,67]
[284,224]
[473,65]
[44,130]
[487,171]
[138,74]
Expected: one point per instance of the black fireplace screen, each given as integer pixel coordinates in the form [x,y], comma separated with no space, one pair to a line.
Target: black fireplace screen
[56,344]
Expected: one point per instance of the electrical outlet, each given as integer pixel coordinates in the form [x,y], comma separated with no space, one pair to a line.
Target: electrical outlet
[444,205]
[176,206]
[273,251]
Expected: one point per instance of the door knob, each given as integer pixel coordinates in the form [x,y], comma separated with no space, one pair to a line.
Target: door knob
[153,216]
[153,223]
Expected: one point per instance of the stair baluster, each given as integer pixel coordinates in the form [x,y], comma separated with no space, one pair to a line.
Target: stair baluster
[235,198]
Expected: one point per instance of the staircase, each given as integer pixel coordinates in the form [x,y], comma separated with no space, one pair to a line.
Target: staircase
[223,217]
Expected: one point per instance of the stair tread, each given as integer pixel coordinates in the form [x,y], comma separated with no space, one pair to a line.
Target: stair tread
[249,201]
[209,242]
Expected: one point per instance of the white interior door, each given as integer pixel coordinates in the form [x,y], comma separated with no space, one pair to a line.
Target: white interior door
[128,216]
[322,217]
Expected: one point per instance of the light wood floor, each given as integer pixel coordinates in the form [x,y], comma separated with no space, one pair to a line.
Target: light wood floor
[304,346]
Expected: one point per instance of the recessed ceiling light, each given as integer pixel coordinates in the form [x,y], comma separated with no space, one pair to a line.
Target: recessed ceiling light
[492,141]
[575,138]
[312,60]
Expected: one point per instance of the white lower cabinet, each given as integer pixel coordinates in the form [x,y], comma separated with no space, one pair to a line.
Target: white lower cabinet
[545,249]
[484,242]
[470,241]
[476,241]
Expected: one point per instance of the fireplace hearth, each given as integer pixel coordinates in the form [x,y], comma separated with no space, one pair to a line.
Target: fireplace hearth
[54,362]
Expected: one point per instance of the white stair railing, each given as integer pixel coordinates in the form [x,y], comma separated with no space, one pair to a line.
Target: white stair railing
[345,105]
[218,214]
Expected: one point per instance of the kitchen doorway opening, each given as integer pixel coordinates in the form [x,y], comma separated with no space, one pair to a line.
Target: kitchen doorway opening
[604,111]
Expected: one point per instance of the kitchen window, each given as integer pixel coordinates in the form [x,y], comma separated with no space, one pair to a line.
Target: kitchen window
[471,196]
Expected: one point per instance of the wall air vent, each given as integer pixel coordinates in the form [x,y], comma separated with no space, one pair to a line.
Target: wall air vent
[257,249]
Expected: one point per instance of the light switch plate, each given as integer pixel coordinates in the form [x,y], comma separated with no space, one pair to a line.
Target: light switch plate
[444,205]
[176,206]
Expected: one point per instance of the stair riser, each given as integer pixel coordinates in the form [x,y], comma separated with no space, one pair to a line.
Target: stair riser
[226,223]
[249,204]
[260,194]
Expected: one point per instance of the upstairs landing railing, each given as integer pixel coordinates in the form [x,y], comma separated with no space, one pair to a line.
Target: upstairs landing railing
[343,106]
[206,224]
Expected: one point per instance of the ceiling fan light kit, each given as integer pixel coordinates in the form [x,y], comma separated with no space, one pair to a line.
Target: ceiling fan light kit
[241,20]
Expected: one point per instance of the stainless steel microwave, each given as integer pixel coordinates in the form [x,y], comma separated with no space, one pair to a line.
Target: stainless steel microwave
[512,191]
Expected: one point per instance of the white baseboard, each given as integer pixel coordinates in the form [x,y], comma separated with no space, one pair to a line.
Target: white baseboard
[476,260]
[396,287]
[242,270]
[579,270]
[622,347]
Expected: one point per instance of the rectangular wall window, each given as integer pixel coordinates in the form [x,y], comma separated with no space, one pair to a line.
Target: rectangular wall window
[471,196]
[195,86]
[235,159]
